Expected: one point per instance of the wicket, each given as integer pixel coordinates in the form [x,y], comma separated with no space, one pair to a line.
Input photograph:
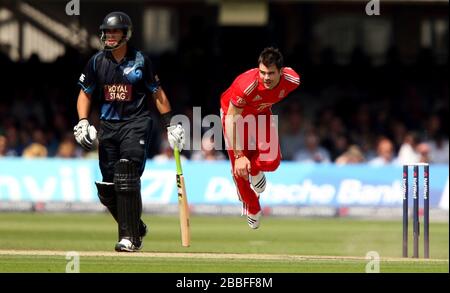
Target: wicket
[426,209]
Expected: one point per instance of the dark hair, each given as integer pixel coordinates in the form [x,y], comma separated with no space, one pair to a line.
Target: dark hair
[271,56]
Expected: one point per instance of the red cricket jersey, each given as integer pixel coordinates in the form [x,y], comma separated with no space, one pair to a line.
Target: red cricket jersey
[247,91]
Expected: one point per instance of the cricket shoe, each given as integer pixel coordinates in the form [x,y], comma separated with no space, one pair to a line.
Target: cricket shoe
[125,245]
[259,182]
[254,220]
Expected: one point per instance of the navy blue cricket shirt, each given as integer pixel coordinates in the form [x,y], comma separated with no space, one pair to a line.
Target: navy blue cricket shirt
[121,87]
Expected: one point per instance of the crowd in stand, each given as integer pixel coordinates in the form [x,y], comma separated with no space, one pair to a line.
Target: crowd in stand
[346,114]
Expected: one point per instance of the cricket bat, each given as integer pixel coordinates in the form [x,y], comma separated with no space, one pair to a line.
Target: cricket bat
[182,202]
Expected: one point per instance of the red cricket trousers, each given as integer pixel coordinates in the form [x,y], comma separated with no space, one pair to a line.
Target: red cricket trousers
[261,147]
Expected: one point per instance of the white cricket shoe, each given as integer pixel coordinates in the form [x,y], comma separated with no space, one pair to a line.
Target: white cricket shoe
[254,220]
[258,182]
[126,245]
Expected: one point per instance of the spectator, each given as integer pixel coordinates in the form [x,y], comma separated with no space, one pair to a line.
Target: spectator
[3,146]
[439,149]
[292,136]
[312,153]
[407,153]
[35,150]
[208,151]
[385,153]
[423,149]
[353,155]
[339,145]
[67,149]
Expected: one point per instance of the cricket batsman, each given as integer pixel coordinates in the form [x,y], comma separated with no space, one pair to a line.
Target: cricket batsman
[122,78]
[250,129]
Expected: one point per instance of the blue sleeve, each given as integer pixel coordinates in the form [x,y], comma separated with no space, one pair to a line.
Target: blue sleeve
[151,79]
[87,80]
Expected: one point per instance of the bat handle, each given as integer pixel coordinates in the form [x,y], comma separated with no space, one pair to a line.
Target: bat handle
[176,154]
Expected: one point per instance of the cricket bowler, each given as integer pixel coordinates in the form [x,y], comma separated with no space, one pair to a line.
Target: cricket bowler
[253,148]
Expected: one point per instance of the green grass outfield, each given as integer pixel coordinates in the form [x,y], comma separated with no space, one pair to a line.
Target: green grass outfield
[38,243]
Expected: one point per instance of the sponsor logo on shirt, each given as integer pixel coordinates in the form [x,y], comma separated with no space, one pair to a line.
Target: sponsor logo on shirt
[263,106]
[241,101]
[127,70]
[117,92]
[281,95]
[257,98]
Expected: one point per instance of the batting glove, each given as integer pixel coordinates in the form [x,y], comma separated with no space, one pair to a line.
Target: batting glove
[85,134]
[175,136]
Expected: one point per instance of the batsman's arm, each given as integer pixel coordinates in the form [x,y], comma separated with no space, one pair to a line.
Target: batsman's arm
[161,101]
[83,105]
